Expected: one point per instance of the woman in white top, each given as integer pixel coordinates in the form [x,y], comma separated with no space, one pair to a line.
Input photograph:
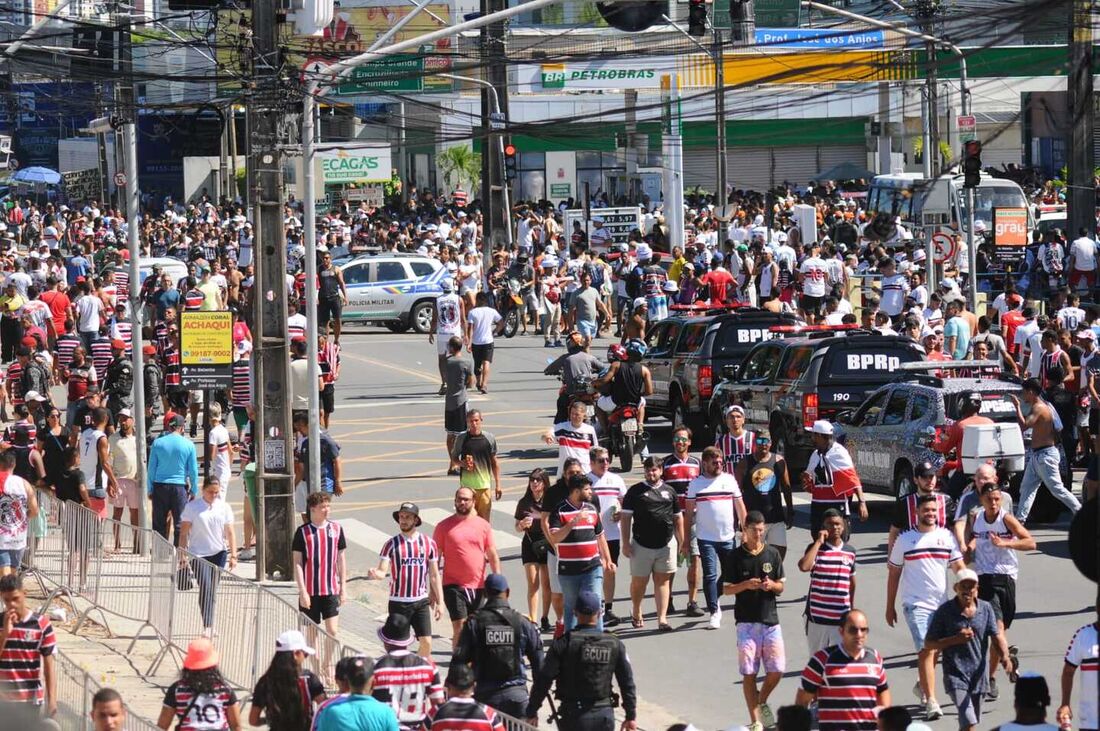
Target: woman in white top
[469,274]
[122,446]
[206,532]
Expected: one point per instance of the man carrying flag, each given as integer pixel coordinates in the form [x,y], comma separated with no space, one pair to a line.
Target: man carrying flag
[831,478]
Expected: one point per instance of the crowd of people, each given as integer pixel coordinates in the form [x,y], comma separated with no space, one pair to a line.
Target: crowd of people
[722,512]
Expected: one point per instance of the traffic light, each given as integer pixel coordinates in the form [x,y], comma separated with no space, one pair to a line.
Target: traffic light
[510,161]
[742,21]
[972,164]
[632,16]
[697,18]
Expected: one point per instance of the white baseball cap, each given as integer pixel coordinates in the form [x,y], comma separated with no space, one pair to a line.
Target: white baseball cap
[822,427]
[966,575]
[293,641]
[639,302]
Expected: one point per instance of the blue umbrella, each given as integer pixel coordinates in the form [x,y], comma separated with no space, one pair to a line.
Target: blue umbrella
[37,175]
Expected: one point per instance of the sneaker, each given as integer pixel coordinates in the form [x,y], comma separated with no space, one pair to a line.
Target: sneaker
[442,390]
[693,610]
[918,692]
[559,344]
[559,629]
[548,344]
[766,716]
[992,693]
[932,711]
[715,621]
[610,619]
[545,626]
[756,726]
[246,555]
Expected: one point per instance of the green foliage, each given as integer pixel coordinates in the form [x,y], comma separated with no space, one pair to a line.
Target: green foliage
[460,164]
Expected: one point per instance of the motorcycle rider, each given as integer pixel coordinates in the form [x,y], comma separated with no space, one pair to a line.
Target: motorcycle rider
[630,383]
[578,368]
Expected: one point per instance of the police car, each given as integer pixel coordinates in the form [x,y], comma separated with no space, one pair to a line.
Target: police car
[896,426]
[786,384]
[395,290]
[688,352]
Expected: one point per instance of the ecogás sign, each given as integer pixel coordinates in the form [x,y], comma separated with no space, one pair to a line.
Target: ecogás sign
[358,165]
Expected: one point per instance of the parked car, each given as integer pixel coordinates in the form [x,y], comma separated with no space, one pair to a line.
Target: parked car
[687,353]
[786,384]
[395,290]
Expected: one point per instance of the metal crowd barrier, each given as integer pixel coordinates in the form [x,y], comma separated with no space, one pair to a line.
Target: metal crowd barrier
[72,553]
[75,688]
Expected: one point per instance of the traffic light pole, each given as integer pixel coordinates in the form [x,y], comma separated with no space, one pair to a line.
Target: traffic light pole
[721,199]
[1081,186]
[971,254]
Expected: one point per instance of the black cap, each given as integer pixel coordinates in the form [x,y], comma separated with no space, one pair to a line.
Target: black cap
[408,508]
[460,676]
[924,469]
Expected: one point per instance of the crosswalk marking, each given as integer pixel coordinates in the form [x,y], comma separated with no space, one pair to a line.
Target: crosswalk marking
[503,540]
[365,535]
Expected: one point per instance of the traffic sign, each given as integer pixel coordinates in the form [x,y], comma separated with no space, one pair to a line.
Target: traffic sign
[967,125]
[943,247]
[400,72]
[120,180]
[206,349]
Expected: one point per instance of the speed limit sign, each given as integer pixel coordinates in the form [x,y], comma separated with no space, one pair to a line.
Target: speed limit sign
[943,247]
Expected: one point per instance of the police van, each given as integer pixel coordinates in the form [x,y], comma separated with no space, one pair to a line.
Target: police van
[785,385]
[688,352]
[395,290]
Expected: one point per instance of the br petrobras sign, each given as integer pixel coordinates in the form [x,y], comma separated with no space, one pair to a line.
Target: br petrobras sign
[819,38]
[630,74]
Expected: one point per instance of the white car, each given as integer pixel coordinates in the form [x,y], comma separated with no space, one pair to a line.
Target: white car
[396,290]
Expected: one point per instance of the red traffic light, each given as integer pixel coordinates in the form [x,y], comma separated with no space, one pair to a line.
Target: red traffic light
[972,148]
[509,150]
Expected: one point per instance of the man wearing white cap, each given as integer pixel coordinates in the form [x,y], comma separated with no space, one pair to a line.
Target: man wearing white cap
[960,630]
[600,237]
[831,478]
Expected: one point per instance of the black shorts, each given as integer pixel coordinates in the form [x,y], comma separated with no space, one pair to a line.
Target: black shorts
[1000,591]
[613,548]
[809,303]
[454,420]
[1094,422]
[328,309]
[460,601]
[532,552]
[179,398]
[418,613]
[322,607]
[328,398]
[482,354]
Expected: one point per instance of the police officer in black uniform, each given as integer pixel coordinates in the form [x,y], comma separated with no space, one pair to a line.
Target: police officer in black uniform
[118,383]
[583,662]
[494,642]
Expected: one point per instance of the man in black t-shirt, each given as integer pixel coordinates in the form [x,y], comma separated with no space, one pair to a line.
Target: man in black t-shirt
[754,573]
[651,517]
[765,486]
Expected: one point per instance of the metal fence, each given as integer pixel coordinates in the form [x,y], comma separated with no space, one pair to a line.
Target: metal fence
[98,565]
[75,688]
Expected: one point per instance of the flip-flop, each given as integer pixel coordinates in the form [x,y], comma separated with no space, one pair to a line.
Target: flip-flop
[637,623]
[664,627]
[1013,663]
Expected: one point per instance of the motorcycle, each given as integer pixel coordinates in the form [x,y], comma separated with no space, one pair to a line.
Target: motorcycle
[510,305]
[625,438]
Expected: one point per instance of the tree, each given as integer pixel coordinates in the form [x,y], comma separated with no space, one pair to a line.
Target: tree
[460,165]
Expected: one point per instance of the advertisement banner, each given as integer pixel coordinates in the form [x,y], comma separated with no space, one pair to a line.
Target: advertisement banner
[83,185]
[351,32]
[1010,235]
[206,349]
[357,165]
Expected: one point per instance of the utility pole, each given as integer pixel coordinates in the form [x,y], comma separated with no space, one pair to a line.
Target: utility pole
[672,146]
[493,197]
[272,428]
[1081,160]
[721,198]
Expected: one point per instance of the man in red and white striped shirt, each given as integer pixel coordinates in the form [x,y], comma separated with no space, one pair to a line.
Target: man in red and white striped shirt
[416,589]
[461,712]
[27,643]
[832,566]
[320,567]
[847,680]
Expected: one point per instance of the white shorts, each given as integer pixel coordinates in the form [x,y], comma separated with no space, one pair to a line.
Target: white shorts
[607,404]
[820,636]
[552,569]
[777,534]
[300,495]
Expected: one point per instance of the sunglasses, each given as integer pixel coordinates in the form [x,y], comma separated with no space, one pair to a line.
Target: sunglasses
[857,630]
[681,440]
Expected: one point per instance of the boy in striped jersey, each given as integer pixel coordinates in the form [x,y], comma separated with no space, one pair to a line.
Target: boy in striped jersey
[832,566]
[27,643]
[408,683]
[320,567]
[416,589]
[1082,655]
[461,712]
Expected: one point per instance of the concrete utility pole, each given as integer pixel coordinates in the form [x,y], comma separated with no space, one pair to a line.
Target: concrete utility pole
[721,197]
[272,444]
[672,144]
[1081,197]
[498,219]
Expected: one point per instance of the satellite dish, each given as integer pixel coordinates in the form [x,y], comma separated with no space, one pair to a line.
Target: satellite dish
[726,213]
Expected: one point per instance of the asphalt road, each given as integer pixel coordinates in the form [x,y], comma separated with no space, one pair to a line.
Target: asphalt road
[389,423]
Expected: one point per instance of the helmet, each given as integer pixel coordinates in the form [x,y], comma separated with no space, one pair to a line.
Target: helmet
[615,352]
[447,285]
[636,349]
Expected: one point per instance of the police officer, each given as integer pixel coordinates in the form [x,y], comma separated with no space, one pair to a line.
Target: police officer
[119,381]
[583,662]
[494,641]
